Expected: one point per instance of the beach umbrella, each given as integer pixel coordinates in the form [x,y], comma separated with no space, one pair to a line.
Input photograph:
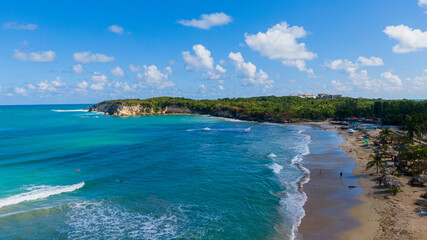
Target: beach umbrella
[402,149]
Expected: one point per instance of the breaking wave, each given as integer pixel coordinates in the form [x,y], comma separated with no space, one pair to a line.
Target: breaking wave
[39,192]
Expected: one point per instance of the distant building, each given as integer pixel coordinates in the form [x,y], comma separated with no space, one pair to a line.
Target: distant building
[304,95]
[325,95]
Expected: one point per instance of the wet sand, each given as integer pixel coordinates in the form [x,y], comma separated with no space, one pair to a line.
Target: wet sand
[329,197]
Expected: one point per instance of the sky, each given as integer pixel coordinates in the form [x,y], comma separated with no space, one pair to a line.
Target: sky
[55,52]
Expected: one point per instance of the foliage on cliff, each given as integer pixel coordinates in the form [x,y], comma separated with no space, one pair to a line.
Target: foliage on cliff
[282,109]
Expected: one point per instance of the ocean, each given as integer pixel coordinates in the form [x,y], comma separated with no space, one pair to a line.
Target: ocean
[71,174]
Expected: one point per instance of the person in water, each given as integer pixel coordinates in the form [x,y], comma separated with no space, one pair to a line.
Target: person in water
[320,173]
[340,174]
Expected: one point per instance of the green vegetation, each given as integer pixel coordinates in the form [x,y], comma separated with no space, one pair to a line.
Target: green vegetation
[283,109]
[377,160]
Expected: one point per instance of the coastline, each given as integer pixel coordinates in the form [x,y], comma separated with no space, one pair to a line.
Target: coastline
[368,212]
[373,214]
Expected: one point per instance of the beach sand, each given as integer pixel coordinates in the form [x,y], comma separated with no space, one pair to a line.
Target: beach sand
[328,195]
[378,214]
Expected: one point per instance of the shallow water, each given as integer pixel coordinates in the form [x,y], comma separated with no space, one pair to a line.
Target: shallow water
[183,176]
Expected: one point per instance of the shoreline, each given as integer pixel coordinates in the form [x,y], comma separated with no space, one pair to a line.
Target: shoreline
[328,195]
[377,213]
[371,214]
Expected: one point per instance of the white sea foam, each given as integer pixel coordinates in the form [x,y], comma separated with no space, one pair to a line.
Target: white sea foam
[295,200]
[206,129]
[247,129]
[104,220]
[271,155]
[71,110]
[39,192]
[276,168]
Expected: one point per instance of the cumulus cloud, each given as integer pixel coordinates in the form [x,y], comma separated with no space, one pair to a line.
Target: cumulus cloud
[350,67]
[280,43]
[410,40]
[21,91]
[123,85]
[87,57]
[16,26]
[300,64]
[153,77]
[207,21]
[78,68]
[99,81]
[82,85]
[422,3]
[388,82]
[372,61]
[117,71]
[116,29]
[52,86]
[248,71]
[46,56]
[420,82]
[202,61]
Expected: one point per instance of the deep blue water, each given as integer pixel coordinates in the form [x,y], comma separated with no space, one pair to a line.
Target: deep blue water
[183,176]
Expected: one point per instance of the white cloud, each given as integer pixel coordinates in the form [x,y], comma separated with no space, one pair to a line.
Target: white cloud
[78,69]
[46,56]
[82,85]
[202,60]
[280,43]
[388,82]
[116,29]
[300,64]
[16,26]
[342,64]
[221,88]
[410,40]
[46,86]
[422,3]
[350,67]
[372,61]
[207,21]
[99,81]
[154,77]
[117,71]
[248,71]
[420,82]
[87,57]
[202,86]
[31,86]
[125,86]
[21,91]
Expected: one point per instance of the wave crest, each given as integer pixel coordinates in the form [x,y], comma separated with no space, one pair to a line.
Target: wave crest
[39,192]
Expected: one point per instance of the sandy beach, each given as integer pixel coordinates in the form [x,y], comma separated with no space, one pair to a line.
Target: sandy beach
[378,214]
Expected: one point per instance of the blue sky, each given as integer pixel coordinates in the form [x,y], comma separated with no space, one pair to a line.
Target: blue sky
[88,51]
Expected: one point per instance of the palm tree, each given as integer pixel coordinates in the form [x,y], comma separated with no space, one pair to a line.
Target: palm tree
[377,160]
[385,134]
[415,127]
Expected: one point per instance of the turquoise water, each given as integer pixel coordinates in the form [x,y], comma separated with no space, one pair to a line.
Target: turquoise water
[183,176]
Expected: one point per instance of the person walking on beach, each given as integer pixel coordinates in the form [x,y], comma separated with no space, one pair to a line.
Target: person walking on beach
[340,174]
[320,173]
